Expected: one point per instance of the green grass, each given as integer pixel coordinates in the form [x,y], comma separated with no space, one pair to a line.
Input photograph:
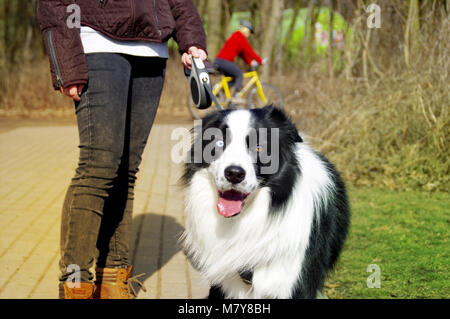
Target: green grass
[406,234]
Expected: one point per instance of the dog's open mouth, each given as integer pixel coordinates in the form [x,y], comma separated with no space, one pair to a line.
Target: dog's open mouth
[230,202]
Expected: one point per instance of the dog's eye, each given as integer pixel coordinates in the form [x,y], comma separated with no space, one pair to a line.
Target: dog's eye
[258,148]
[220,143]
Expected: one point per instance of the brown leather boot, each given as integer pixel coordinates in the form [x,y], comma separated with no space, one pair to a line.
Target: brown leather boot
[115,283]
[85,291]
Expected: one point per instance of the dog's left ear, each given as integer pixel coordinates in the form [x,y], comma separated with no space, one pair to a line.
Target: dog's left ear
[275,113]
[279,116]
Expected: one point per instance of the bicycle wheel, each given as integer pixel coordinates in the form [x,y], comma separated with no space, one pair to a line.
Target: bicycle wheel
[198,114]
[273,96]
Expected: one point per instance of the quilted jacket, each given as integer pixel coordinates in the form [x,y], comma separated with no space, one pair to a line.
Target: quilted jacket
[130,20]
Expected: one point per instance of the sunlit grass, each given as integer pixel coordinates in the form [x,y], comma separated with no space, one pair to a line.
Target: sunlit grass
[406,234]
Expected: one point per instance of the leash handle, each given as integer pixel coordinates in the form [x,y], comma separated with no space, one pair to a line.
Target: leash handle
[204,81]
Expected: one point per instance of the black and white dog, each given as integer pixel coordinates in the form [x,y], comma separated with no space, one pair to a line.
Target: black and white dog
[267,216]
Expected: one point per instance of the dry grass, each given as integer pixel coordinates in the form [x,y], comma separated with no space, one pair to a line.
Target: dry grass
[29,94]
[392,131]
[393,135]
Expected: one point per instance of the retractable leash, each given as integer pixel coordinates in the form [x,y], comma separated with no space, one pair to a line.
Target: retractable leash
[200,85]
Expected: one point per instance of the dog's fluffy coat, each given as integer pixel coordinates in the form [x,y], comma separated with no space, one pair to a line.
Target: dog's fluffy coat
[292,225]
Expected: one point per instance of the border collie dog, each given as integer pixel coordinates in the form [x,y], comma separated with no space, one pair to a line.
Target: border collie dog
[266,215]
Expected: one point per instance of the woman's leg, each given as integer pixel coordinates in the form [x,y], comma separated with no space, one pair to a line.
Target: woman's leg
[231,69]
[101,115]
[147,78]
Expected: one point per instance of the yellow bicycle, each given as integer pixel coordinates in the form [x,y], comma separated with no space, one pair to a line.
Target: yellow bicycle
[257,94]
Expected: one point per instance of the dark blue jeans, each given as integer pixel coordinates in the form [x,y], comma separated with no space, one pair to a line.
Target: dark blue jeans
[230,69]
[114,116]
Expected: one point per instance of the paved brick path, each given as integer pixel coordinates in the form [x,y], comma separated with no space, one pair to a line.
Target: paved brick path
[36,165]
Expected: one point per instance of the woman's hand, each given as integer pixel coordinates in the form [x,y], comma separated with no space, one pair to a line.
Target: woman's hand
[73,91]
[196,53]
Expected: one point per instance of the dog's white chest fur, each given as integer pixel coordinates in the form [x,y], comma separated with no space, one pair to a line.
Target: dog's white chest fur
[272,246]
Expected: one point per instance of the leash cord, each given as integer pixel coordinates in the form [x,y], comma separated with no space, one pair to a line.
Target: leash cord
[213,97]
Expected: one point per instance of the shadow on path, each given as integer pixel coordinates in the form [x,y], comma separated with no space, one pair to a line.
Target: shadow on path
[156,242]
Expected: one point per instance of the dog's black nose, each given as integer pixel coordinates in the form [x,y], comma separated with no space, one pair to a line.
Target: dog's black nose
[234,174]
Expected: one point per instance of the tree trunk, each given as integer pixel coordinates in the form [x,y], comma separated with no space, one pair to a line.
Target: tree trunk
[270,33]
[411,31]
[3,43]
[351,44]
[264,15]
[254,14]
[214,14]
[201,7]
[330,39]
[306,33]
[312,37]
[227,12]
[287,53]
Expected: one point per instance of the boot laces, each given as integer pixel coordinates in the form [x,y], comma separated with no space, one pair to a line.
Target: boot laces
[129,283]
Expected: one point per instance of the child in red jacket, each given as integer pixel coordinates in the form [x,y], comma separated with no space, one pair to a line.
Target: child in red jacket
[237,45]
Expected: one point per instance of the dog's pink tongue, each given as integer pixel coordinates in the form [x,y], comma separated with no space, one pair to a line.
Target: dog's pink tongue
[228,207]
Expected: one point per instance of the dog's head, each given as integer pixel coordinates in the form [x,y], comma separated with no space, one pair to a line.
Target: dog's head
[244,150]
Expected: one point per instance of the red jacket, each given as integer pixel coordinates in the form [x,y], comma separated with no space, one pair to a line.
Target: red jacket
[237,44]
